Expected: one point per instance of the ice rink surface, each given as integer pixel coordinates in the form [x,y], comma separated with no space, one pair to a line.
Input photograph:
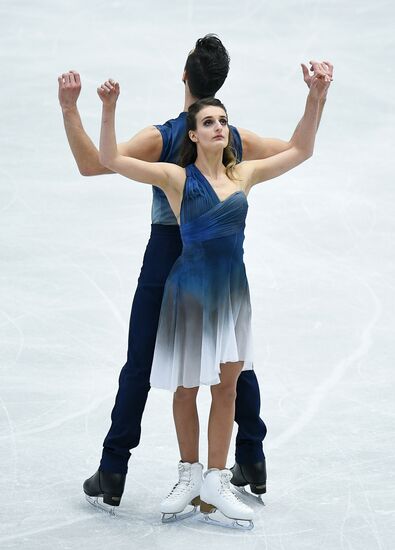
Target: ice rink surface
[319,255]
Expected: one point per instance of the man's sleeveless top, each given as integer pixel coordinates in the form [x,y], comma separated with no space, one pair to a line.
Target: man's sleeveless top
[173,133]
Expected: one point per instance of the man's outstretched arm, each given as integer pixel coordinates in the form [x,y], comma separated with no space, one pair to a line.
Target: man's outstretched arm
[257,147]
[145,145]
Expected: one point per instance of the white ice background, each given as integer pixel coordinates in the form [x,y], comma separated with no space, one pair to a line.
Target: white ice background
[319,255]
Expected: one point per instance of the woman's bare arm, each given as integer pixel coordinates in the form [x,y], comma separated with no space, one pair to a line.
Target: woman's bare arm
[145,145]
[256,171]
[169,177]
[256,147]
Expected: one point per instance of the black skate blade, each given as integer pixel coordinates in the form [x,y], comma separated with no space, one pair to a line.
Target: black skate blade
[98,503]
[223,521]
[248,495]
[179,516]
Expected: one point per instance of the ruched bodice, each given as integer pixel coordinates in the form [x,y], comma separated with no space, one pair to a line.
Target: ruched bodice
[205,318]
[200,198]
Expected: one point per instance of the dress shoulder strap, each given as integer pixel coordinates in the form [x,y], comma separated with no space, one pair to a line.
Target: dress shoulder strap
[189,170]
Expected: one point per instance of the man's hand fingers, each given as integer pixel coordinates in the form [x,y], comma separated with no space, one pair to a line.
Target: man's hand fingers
[66,79]
[77,78]
[72,79]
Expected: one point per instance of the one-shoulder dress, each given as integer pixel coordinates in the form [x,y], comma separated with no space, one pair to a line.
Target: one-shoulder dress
[205,317]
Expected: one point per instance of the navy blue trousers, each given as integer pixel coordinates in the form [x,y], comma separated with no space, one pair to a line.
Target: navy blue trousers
[164,247]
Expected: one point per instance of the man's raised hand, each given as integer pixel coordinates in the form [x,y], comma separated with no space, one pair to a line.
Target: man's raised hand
[69,89]
[109,92]
[322,70]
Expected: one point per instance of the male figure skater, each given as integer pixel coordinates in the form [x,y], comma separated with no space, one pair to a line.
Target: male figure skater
[205,71]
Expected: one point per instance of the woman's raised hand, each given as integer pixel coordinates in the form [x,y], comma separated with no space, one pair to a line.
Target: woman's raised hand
[109,92]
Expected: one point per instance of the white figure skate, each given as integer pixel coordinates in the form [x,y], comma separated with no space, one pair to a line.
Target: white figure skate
[185,493]
[216,494]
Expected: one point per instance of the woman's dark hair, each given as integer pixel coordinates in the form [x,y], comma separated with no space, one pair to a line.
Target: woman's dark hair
[189,148]
[207,66]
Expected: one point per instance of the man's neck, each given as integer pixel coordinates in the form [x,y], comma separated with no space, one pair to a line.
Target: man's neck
[189,99]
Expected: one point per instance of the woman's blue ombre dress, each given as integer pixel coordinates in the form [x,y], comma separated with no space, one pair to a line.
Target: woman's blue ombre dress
[205,317]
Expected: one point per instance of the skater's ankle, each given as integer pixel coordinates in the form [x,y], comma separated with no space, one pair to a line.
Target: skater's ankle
[215,465]
[193,460]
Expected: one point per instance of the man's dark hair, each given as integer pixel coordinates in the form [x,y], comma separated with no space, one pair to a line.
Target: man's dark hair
[207,66]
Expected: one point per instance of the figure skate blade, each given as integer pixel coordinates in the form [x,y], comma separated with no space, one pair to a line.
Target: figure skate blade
[98,503]
[220,520]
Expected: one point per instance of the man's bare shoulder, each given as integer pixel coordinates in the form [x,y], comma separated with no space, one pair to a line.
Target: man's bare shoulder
[145,145]
[258,147]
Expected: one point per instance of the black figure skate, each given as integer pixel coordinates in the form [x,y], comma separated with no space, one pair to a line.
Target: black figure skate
[253,475]
[106,486]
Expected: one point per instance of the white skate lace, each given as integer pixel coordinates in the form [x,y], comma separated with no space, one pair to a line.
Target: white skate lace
[225,489]
[182,484]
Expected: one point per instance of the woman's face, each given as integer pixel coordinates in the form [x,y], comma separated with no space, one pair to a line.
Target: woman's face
[212,130]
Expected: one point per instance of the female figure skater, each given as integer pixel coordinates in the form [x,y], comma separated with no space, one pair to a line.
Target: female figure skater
[204,334]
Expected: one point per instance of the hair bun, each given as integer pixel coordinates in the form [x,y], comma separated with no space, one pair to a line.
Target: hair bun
[208,42]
